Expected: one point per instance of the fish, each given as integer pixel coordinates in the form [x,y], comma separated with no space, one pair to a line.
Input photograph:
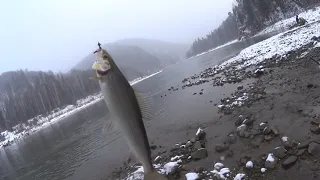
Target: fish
[126,108]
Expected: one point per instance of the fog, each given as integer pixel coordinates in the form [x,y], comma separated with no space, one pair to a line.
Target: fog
[56,34]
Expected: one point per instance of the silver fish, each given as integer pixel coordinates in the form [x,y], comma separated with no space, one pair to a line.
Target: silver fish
[123,104]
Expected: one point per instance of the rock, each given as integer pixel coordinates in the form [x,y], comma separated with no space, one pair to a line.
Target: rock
[200,135]
[240,87]
[200,93]
[315,129]
[241,130]
[221,147]
[279,152]
[193,140]
[271,161]
[314,149]
[199,154]
[262,126]
[249,164]
[304,144]
[266,130]
[310,85]
[274,130]
[268,137]
[157,160]
[290,161]
[315,121]
[232,138]
[301,152]
[248,122]
[218,166]
[188,144]
[197,145]
[153,147]
[175,147]
[240,120]
[287,143]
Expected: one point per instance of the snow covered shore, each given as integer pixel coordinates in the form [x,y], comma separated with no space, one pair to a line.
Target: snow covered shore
[39,122]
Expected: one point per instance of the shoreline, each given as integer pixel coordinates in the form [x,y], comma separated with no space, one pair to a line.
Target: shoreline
[253,116]
[40,122]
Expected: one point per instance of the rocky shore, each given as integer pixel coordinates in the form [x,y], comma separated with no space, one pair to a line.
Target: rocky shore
[272,124]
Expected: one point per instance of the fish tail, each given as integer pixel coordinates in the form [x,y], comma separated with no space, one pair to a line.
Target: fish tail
[154,175]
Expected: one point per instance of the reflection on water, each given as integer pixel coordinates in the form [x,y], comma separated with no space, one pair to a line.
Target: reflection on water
[77,148]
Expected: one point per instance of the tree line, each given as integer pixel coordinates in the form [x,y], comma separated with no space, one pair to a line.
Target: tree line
[247,18]
[26,94]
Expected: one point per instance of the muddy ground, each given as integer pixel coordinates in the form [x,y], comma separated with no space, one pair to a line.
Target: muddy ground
[279,113]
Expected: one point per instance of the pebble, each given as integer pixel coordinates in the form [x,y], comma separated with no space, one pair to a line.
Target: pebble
[279,152]
[188,144]
[263,170]
[290,161]
[239,121]
[304,144]
[301,152]
[262,126]
[199,154]
[239,176]
[175,147]
[241,130]
[268,137]
[271,161]
[274,130]
[314,149]
[197,145]
[315,129]
[248,122]
[266,130]
[201,135]
[287,143]
[249,164]
[218,166]
[221,147]
[232,138]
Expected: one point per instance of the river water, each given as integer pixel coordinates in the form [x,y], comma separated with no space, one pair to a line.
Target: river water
[77,147]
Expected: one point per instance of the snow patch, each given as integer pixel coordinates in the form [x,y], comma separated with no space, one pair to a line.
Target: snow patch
[249,164]
[263,170]
[192,176]
[170,166]
[270,158]
[239,176]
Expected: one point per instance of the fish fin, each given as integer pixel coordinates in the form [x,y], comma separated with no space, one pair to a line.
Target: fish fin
[154,175]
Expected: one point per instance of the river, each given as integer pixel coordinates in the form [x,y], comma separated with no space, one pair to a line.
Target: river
[78,147]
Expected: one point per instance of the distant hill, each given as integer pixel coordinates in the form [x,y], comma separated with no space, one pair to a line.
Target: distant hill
[133,61]
[139,57]
[168,53]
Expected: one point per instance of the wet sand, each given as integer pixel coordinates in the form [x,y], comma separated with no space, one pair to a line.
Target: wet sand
[285,96]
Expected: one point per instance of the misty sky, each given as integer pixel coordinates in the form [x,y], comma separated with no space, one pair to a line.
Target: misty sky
[56,34]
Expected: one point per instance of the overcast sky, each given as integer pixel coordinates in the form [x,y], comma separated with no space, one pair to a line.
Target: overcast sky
[56,34]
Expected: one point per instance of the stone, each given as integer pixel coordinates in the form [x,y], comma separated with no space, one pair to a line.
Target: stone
[315,129]
[232,138]
[279,152]
[153,147]
[301,152]
[188,144]
[199,154]
[290,161]
[175,147]
[287,143]
[193,140]
[274,130]
[197,145]
[304,144]
[248,122]
[221,147]
[201,135]
[314,149]
[241,130]
[240,120]
[315,121]
[271,161]
[266,130]
[157,160]
[268,137]
[262,126]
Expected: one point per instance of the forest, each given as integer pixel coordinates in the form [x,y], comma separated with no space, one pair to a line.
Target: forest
[25,94]
[247,18]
